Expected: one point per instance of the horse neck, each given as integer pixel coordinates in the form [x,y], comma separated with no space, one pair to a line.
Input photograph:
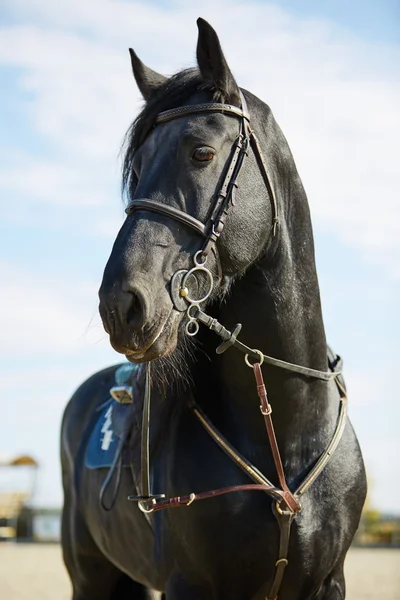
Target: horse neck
[278,304]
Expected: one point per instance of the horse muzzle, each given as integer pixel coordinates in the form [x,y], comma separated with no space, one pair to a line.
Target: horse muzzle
[141,323]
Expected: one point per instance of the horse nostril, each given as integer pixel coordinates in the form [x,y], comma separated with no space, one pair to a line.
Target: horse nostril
[136,314]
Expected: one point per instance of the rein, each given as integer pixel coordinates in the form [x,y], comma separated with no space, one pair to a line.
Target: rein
[286,503]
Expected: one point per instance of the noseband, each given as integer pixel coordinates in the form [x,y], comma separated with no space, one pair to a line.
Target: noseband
[224,199]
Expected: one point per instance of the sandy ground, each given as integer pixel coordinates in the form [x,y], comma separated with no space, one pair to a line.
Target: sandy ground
[36,572]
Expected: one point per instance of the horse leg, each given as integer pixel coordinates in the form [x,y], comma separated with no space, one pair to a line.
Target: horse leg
[101,580]
[92,575]
[97,578]
[334,587]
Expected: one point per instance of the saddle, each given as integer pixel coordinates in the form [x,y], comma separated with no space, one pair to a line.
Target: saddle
[117,418]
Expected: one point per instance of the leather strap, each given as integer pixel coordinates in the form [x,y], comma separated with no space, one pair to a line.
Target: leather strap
[226,195]
[284,521]
[196,109]
[179,501]
[231,337]
[267,179]
[291,502]
[145,448]
[146,496]
[116,464]
[326,455]
[169,211]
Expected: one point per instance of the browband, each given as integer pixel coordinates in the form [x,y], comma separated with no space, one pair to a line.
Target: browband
[214,107]
[170,211]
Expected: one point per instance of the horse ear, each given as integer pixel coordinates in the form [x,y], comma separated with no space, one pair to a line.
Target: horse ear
[148,81]
[213,66]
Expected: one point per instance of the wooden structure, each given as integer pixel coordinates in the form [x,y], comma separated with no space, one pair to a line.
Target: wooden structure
[13,501]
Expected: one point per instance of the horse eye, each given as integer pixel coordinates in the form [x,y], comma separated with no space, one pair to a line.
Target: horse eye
[203,154]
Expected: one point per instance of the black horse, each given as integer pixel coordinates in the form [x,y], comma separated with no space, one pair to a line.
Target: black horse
[262,273]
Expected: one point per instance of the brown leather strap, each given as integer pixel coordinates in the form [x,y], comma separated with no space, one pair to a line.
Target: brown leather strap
[188,499]
[284,520]
[292,503]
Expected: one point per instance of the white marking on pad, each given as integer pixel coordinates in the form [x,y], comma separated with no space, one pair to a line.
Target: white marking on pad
[107,440]
[106,429]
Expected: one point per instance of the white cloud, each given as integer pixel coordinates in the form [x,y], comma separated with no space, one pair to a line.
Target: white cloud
[46,317]
[335,96]
[64,184]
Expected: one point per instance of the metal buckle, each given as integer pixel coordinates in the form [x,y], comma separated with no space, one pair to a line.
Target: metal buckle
[266,412]
[192,498]
[280,511]
[285,512]
[122,394]
[143,501]
[215,229]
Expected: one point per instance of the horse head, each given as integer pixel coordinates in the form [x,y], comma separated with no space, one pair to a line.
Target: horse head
[177,168]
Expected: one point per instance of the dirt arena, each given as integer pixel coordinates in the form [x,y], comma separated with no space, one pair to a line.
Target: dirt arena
[36,572]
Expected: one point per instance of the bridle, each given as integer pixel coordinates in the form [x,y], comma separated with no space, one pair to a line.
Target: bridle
[287,503]
[224,200]
[225,197]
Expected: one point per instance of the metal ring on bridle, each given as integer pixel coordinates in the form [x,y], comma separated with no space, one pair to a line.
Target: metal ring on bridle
[192,328]
[260,354]
[143,508]
[279,509]
[190,316]
[210,279]
[196,260]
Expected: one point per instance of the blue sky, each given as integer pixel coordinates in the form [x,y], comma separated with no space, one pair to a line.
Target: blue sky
[377,21]
[329,71]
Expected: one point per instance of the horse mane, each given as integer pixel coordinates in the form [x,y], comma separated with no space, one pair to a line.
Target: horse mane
[173,93]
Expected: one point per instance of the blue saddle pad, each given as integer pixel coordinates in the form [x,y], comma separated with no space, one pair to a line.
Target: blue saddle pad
[103,442]
[105,437]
